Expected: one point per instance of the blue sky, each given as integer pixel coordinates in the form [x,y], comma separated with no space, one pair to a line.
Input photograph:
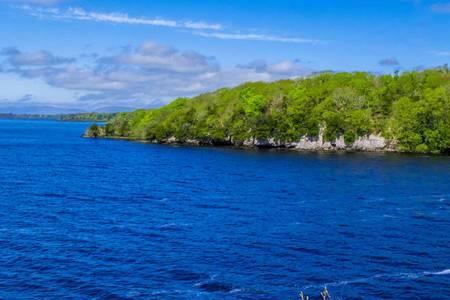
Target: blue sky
[66,56]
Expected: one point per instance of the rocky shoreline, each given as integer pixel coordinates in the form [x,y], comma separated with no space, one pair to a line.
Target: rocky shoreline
[370,143]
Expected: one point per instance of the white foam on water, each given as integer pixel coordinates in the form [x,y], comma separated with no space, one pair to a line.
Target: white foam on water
[443,272]
[389,216]
[378,276]
[174,225]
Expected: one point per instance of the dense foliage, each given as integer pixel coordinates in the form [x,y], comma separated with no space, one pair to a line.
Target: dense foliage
[412,109]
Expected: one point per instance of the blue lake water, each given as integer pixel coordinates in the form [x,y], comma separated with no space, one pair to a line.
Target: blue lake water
[83,218]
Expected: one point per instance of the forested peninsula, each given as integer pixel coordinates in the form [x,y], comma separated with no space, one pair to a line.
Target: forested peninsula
[407,112]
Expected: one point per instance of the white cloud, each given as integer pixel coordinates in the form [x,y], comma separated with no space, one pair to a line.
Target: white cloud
[257,37]
[38,58]
[202,25]
[151,56]
[148,75]
[389,62]
[204,29]
[441,53]
[81,14]
[441,8]
[286,68]
[34,2]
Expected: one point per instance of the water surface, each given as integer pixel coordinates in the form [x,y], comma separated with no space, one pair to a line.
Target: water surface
[83,218]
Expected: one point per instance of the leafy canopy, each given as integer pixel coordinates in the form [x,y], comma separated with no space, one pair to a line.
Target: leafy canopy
[412,109]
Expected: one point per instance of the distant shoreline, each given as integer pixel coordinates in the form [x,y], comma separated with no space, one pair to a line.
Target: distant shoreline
[77,117]
[52,119]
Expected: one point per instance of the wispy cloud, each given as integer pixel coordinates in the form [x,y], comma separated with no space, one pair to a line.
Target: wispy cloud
[39,58]
[286,68]
[81,14]
[257,37]
[158,58]
[33,2]
[391,61]
[441,8]
[441,53]
[199,28]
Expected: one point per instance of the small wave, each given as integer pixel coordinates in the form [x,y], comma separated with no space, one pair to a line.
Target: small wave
[174,226]
[211,206]
[443,272]
[186,275]
[307,250]
[50,195]
[133,294]
[389,216]
[215,286]
[160,292]
[377,276]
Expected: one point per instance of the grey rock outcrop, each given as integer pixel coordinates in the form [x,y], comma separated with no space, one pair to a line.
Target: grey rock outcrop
[373,142]
[370,143]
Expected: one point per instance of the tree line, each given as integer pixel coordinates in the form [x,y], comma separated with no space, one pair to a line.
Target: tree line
[412,109]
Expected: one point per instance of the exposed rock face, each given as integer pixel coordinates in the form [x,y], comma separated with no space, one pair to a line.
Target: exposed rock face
[310,144]
[193,142]
[366,143]
[339,144]
[370,143]
[172,140]
[263,143]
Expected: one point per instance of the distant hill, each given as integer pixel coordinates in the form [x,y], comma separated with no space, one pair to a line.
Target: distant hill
[88,117]
[98,117]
